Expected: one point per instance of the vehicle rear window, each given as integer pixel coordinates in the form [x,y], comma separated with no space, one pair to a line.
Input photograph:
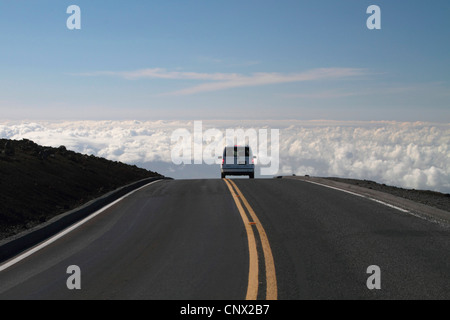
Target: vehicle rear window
[237,152]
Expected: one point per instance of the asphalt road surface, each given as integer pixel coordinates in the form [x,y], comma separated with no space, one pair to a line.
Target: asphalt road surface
[242,239]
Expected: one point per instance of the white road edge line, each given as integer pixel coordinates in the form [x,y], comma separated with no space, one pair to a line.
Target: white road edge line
[362,196]
[66,231]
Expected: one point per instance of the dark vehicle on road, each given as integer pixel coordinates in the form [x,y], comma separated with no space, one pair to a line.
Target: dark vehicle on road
[238,161]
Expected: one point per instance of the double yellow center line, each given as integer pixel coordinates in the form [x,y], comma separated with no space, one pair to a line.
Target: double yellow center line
[250,221]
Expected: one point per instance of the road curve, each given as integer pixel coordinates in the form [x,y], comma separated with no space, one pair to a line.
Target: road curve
[187,239]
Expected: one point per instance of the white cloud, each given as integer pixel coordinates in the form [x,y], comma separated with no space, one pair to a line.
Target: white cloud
[412,155]
[222,81]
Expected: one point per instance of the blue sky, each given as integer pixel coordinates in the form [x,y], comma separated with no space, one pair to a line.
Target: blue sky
[251,59]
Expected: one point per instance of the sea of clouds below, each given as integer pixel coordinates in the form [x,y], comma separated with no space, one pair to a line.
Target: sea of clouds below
[411,155]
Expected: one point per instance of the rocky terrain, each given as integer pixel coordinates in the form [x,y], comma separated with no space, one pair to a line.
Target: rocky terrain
[38,183]
[429,198]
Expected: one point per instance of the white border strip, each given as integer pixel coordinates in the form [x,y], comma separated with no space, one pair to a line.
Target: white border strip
[360,195]
[66,231]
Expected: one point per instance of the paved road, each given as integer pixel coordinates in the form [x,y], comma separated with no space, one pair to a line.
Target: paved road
[188,239]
